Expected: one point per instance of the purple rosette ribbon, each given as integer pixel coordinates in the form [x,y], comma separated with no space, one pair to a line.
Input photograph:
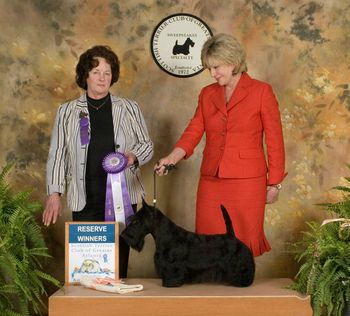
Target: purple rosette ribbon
[118,205]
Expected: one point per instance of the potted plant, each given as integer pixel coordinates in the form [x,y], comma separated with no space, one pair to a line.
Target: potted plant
[325,256]
[22,247]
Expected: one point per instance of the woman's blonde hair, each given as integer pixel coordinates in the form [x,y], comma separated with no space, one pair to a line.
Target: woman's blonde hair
[224,48]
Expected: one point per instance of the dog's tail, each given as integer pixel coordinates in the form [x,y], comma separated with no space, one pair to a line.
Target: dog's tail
[229,228]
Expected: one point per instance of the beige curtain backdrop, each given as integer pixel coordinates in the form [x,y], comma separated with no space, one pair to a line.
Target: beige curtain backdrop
[300,47]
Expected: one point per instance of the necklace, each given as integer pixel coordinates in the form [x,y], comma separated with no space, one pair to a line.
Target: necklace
[97,107]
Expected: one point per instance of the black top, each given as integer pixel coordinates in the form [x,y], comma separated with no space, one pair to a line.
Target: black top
[101,144]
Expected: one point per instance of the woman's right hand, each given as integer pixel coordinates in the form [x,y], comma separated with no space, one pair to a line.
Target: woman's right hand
[53,209]
[172,159]
[160,166]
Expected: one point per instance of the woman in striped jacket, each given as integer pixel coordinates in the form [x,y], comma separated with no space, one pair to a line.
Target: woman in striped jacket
[77,149]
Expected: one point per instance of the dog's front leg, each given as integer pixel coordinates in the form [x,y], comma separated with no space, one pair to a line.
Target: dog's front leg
[173,275]
[172,282]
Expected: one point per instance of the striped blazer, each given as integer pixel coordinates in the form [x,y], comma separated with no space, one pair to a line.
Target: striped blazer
[66,164]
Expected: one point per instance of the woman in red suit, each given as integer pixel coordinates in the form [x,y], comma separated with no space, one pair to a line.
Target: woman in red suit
[237,114]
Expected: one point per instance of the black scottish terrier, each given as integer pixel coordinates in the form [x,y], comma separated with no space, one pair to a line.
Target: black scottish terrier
[185,257]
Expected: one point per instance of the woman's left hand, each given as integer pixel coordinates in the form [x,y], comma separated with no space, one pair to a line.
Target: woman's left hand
[131,158]
[271,194]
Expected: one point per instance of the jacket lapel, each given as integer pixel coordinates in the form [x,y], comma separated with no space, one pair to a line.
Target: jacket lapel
[81,104]
[218,98]
[118,110]
[241,91]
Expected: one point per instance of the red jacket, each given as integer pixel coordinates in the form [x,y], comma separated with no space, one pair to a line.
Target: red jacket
[234,133]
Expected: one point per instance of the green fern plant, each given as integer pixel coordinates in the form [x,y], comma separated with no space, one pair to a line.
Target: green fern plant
[324,254]
[22,248]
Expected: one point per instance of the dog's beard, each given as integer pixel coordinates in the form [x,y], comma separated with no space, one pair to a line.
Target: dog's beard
[139,245]
[135,244]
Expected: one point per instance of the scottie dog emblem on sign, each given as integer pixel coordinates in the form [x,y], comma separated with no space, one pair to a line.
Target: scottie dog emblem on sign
[176,44]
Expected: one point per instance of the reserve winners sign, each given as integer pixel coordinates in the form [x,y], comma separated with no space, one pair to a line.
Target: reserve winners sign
[177,42]
[91,249]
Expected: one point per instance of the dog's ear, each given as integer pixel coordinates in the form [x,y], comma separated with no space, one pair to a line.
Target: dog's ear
[144,203]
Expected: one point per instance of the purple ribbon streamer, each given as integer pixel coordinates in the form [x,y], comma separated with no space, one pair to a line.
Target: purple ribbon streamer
[109,207]
[84,130]
[114,164]
[128,211]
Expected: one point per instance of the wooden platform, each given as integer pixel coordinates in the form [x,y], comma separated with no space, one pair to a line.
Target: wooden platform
[263,298]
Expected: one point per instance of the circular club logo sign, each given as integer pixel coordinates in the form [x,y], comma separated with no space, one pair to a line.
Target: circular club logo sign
[177,42]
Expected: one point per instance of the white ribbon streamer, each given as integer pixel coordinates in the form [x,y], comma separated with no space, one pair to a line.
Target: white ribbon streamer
[118,204]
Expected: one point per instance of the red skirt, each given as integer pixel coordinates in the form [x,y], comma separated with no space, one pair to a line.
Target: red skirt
[244,200]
